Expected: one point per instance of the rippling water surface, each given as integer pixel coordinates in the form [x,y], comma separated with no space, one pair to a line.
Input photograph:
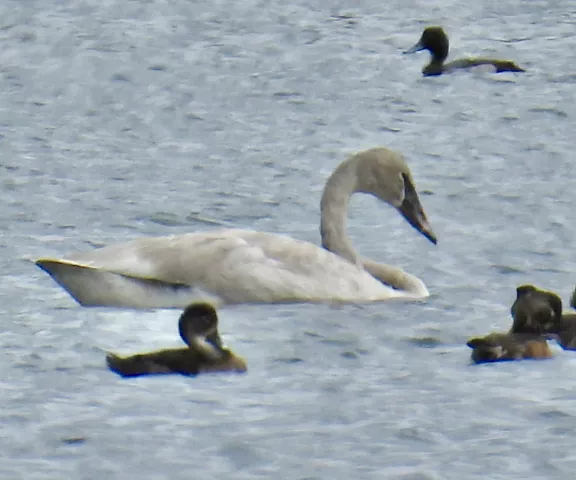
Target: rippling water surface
[127,118]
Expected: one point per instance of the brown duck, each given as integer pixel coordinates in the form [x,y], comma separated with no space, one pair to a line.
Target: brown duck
[435,40]
[198,328]
[501,347]
[535,310]
[564,330]
[535,313]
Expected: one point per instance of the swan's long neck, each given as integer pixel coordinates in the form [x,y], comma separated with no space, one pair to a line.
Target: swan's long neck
[334,210]
[396,278]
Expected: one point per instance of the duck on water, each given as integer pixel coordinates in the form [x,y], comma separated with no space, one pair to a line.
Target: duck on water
[204,352]
[531,313]
[435,40]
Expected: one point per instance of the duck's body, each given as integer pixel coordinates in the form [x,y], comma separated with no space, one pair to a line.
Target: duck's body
[243,266]
[564,330]
[182,361]
[502,347]
[198,327]
[435,40]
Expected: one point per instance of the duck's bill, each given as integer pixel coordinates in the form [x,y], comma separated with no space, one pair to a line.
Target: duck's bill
[416,48]
[411,209]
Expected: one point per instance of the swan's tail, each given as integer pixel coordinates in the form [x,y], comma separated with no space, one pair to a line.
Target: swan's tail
[94,287]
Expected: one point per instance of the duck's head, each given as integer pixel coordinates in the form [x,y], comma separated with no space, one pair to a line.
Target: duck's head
[485,350]
[199,320]
[524,290]
[198,327]
[536,311]
[435,40]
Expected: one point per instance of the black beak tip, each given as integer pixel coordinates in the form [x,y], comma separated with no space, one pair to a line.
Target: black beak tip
[430,235]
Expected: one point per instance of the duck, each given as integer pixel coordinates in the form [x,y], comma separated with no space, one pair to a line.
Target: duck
[564,330]
[204,353]
[238,266]
[535,310]
[435,40]
[501,347]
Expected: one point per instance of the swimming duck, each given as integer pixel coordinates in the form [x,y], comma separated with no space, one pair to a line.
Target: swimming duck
[501,347]
[535,310]
[564,331]
[435,40]
[540,312]
[198,328]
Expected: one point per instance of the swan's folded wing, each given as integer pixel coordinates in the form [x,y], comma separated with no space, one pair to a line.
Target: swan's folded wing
[231,266]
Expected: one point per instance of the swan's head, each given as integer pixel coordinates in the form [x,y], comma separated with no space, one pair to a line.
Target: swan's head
[384,174]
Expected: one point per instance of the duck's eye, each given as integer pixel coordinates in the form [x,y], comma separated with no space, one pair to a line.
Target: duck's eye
[203,323]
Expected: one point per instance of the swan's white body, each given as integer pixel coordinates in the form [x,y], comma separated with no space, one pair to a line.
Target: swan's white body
[242,266]
[226,266]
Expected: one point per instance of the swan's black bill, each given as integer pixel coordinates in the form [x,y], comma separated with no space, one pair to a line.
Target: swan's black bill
[411,209]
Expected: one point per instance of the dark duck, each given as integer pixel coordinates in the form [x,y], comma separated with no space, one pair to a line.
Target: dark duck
[204,353]
[529,312]
[502,347]
[536,314]
[435,40]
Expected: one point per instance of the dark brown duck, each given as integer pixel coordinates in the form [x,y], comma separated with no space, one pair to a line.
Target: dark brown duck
[565,334]
[198,328]
[435,40]
[540,311]
[535,310]
[564,331]
[502,347]
[535,313]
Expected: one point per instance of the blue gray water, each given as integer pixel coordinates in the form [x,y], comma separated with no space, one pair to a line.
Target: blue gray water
[127,118]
